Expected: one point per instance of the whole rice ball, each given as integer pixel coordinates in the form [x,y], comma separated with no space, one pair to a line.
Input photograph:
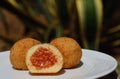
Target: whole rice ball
[18,52]
[70,50]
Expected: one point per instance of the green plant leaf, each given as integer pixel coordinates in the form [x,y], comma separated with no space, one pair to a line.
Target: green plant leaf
[59,30]
[63,12]
[90,19]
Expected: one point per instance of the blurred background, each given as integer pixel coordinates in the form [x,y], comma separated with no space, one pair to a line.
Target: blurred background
[94,24]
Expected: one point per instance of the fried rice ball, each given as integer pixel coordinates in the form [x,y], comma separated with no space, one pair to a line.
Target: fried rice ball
[18,52]
[44,59]
[70,50]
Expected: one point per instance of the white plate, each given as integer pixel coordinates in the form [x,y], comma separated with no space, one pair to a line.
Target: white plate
[93,65]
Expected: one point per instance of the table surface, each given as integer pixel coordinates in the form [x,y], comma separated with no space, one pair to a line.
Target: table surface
[112,75]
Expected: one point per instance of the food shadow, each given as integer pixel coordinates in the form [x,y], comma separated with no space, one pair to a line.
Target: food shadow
[79,65]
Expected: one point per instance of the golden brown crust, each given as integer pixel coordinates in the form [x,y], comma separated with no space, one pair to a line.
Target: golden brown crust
[19,50]
[70,50]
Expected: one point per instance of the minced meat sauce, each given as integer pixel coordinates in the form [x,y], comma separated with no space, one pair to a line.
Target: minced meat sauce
[43,58]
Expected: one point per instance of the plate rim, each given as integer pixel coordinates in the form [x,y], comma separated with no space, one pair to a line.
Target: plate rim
[107,72]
